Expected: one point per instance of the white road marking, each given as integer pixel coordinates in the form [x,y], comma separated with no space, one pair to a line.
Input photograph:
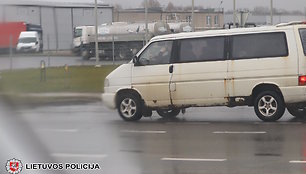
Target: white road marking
[297,162]
[278,123]
[239,132]
[60,130]
[74,155]
[145,132]
[193,159]
[290,123]
[190,123]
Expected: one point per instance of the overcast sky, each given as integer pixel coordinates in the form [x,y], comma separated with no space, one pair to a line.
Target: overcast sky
[227,4]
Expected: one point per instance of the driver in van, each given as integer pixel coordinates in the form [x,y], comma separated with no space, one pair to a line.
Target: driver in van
[164,53]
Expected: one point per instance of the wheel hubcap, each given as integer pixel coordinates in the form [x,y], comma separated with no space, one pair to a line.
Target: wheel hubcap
[267,105]
[128,107]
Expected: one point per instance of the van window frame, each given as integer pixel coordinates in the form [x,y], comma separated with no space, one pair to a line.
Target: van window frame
[78,32]
[231,44]
[303,44]
[177,57]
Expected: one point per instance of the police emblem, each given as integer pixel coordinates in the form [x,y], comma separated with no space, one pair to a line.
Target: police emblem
[14,166]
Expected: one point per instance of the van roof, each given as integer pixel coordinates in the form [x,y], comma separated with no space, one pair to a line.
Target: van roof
[221,32]
[28,34]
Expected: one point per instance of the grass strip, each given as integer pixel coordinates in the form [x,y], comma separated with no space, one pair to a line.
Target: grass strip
[79,79]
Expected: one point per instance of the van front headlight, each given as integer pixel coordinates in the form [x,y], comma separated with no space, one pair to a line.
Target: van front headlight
[106,82]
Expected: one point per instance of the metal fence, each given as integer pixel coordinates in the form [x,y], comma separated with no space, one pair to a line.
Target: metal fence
[114,52]
[113,47]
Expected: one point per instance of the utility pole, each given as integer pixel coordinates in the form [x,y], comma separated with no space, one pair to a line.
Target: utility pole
[234,13]
[305,13]
[96,34]
[271,13]
[192,16]
[146,19]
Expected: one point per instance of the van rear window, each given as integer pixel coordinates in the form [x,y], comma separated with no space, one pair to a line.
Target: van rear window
[261,45]
[303,39]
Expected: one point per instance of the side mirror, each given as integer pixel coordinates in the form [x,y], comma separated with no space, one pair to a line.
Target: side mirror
[135,58]
[36,43]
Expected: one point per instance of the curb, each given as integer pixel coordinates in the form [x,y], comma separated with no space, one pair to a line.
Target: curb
[47,99]
[61,95]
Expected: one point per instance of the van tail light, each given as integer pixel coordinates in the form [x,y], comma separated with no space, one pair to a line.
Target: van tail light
[302,80]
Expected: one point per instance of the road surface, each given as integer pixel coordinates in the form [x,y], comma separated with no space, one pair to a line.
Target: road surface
[216,140]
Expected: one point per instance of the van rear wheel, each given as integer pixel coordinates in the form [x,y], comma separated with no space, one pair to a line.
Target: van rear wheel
[129,107]
[168,113]
[269,106]
[297,111]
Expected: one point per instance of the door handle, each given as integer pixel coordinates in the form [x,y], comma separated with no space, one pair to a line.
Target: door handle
[171,69]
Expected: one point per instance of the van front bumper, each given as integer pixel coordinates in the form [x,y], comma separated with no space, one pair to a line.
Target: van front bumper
[296,94]
[109,100]
[27,49]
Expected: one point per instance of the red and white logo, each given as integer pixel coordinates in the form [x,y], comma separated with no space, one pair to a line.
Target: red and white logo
[14,166]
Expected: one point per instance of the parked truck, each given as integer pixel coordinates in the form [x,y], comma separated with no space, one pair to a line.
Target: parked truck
[121,39]
[10,31]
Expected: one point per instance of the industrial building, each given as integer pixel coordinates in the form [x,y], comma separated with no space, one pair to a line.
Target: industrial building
[204,19]
[266,19]
[57,18]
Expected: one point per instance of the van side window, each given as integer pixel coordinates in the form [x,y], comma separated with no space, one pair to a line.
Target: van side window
[259,45]
[156,53]
[202,49]
[303,38]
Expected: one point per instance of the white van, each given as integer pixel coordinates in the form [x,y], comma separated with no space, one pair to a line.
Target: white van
[264,67]
[28,42]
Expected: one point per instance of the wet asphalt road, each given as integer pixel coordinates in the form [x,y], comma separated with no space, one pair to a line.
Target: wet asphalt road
[216,140]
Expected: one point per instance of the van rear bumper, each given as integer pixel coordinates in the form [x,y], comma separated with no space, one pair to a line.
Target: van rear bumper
[296,94]
[109,100]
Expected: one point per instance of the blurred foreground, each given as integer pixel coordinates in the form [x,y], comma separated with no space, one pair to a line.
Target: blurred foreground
[204,140]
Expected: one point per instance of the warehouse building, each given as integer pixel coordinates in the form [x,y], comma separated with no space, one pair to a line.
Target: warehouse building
[205,19]
[57,18]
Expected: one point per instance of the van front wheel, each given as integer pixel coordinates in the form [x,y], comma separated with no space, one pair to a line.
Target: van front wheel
[269,106]
[129,107]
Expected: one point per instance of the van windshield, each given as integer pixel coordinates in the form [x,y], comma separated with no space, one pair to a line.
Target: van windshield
[27,40]
[303,38]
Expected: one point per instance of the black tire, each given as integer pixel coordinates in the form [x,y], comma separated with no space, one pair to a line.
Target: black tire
[129,107]
[297,111]
[168,113]
[269,106]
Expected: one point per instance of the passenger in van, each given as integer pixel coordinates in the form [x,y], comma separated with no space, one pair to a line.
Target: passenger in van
[197,50]
[187,53]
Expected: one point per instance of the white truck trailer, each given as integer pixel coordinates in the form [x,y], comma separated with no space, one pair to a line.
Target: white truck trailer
[121,40]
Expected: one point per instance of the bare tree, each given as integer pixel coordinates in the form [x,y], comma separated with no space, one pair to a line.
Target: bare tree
[151,4]
[260,10]
[297,12]
[170,7]
[117,7]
